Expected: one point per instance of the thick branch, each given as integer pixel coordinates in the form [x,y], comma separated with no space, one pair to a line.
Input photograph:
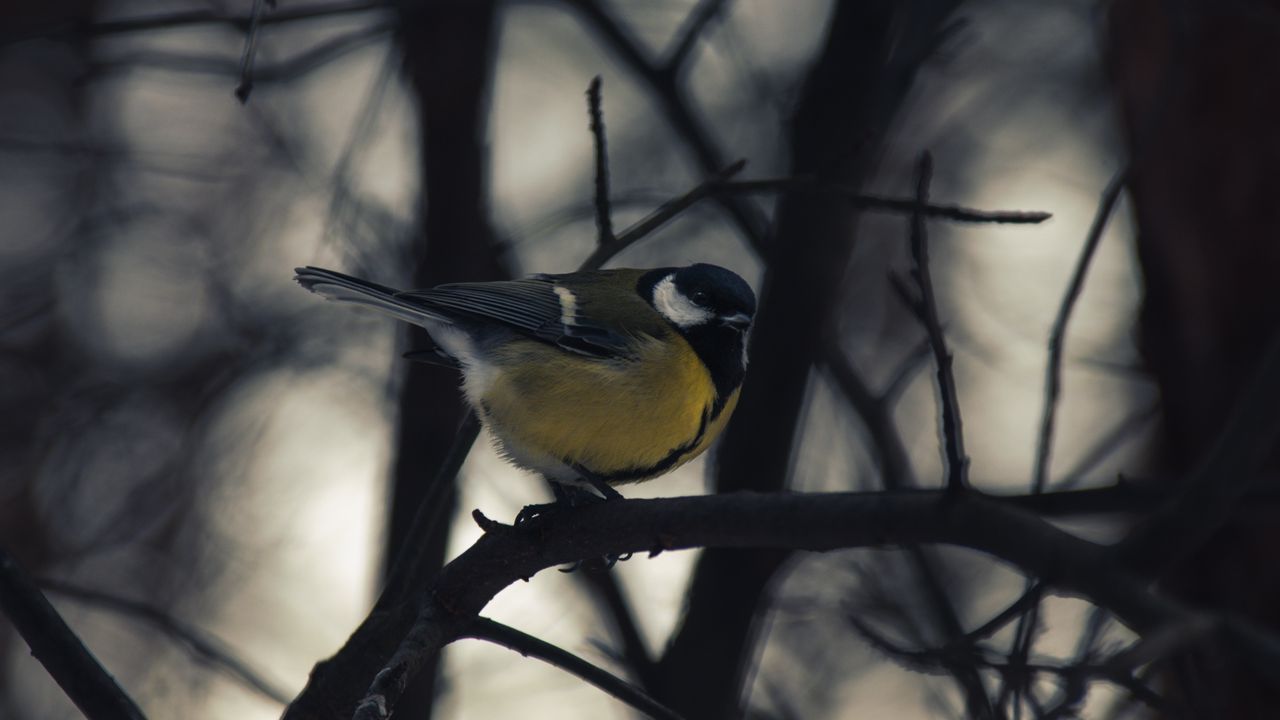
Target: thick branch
[816,522]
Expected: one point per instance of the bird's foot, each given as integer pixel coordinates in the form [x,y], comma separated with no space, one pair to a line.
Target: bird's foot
[541,511]
[599,564]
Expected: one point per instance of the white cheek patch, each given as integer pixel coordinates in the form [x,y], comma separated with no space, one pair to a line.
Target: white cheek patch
[568,306]
[677,308]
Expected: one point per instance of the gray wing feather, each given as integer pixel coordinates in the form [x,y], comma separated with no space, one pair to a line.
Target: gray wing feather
[531,306]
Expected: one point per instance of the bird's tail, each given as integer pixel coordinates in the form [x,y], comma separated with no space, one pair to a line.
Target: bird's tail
[344,288]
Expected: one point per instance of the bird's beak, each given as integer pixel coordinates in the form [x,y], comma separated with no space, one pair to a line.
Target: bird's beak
[736,320]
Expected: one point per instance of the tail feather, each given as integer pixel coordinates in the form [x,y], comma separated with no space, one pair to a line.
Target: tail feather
[344,288]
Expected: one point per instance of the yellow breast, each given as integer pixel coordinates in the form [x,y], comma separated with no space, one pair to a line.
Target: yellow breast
[622,420]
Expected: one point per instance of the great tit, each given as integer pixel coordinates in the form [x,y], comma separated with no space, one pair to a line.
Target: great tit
[589,378]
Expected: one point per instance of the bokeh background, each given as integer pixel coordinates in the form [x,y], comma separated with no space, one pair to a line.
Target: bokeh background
[186,430]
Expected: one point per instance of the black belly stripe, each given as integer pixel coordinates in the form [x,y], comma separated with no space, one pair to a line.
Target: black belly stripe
[666,462]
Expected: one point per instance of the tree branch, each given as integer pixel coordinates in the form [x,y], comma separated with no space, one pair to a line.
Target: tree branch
[687,36]
[656,219]
[1053,371]
[604,217]
[176,20]
[877,203]
[204,647]
[63,655]
[926,309]
[250,50]
[609,593]
[816,522]
[530,646]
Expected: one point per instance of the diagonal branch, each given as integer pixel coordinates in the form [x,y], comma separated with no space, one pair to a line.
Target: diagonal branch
[609,593]
[656,219]
[201,645]
[688,35]
[529,646]
[1053,372]
[63,655]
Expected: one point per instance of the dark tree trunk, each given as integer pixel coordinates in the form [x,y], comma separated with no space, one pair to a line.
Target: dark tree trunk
[448,56]
[856,85]
[1198,85]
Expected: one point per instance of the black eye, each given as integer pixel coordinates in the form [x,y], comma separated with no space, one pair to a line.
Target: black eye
[700,297]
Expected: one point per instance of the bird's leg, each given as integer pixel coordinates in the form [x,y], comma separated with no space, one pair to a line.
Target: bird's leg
[605,489]
[607,493]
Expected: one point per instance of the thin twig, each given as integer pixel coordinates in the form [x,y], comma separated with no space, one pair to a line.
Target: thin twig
[63,655]
[185,19]
[634,653]
[906,372]
[695,23]
[864,201]
[877,417]
[896,474]
[1053,370]
[204,647]
[674,104]
[604,216]
[657,219]
[1004,617]
[957,463]
[485,629]
[250,50]
[1110,441]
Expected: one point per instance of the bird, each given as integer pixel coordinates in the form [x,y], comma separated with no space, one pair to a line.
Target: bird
[591,379]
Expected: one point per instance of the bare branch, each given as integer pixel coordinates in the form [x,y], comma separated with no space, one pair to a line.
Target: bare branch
[896,474]
[1053,372]
[609,593]
[749,219]
[657,219]
[864,201]
[689,33]
[201,645]
[250,50]
[926,308]
[1108,443]
[63,655]
[530,646]
[820,521]
[604,216]
[177,20]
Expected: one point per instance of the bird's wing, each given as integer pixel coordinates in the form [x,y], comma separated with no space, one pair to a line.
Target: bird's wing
[541,307]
